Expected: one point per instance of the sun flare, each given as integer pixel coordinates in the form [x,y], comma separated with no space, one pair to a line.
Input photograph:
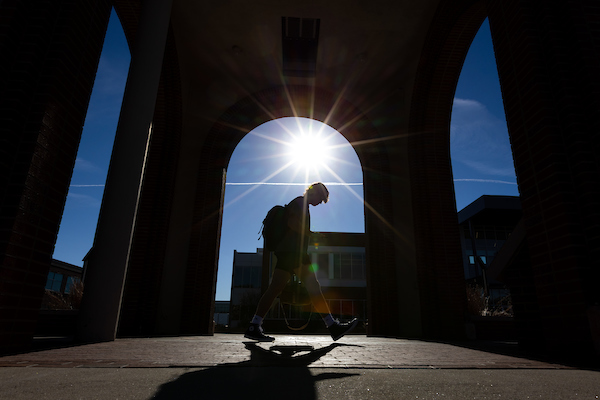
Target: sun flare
[309,151]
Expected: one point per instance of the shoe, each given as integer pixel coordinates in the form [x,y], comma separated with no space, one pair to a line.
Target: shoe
[340,329]
[255,332]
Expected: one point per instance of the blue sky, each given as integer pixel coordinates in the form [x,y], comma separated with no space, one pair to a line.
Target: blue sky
[480,149]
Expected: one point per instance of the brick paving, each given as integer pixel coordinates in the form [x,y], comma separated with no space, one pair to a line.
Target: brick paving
[353,351]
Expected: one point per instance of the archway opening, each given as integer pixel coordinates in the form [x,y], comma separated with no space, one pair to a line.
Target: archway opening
[482,161]
[80,215]
[487,196]
[272,165]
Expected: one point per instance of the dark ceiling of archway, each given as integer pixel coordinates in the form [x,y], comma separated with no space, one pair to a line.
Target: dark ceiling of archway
[365,52]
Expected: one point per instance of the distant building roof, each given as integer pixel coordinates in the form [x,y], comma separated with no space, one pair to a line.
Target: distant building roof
[338,239]
[258,251]
[488,203]
[66,266]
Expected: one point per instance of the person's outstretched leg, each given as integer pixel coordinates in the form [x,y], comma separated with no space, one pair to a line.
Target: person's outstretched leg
[336,328]
[279,280]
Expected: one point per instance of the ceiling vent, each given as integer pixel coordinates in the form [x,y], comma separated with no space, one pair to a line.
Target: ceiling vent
[299,40]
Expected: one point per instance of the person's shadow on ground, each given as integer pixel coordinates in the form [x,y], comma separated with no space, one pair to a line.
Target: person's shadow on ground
[277,373]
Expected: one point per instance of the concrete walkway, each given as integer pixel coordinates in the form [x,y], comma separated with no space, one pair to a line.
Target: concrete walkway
[227,366]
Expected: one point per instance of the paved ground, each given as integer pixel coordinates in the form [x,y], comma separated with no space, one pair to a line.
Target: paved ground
[293,367]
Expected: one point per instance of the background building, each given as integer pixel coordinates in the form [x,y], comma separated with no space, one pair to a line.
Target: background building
[59,310]
[340,262]
[485,225]
[62,276]
[221,315]
[245,286]
[342,272]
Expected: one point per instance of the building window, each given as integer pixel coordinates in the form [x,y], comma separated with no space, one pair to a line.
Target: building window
[54,281]
[472,259]
[358,265]
[71,280]
[348,266]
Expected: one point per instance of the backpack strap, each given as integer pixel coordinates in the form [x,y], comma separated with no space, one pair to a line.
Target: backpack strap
[287,322]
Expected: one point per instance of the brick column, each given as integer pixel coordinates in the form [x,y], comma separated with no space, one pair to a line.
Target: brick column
[383,271]
[147,294]
[437,240]
[109,258]
[49,53]
[548,56]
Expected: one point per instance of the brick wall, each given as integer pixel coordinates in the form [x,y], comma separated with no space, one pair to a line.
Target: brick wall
[548,57]
[146,263]
[49,53]
[437,240]
[141,292]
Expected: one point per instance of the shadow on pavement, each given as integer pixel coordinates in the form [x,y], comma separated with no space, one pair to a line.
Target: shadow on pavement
[513,349]
[278,373]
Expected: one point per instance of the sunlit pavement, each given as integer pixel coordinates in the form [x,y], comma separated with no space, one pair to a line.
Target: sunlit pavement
[228,366]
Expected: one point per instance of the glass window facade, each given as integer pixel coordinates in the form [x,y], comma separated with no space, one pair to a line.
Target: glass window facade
[348,266]
[70,282]
[54,281]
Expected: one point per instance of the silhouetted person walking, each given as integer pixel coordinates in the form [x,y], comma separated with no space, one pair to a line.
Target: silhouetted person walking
[292,258]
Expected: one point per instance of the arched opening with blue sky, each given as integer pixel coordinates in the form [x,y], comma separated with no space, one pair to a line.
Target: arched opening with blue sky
[481,160]
[272,165]
[80,216]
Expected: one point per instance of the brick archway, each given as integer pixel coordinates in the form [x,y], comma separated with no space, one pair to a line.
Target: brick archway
[439,266]
[547,58]
[301,101]
[417,290]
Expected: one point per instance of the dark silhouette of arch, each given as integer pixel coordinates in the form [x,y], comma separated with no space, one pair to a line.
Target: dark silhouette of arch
[547,55]
[454,26]
[302,101]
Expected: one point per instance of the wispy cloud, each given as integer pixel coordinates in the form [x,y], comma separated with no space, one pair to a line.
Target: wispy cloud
[112,74]
[473,125]
[292,183]
[80,186]
[468,103]
[105,103]
[488,169]
[485,181]
[84,200]
[479,140]
[86,166]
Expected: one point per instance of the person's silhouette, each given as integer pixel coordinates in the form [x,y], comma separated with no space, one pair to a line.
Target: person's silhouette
[292,258]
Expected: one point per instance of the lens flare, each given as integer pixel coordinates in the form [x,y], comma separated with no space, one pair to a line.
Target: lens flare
[309,150]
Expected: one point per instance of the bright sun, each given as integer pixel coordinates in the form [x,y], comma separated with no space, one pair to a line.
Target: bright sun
[309,151]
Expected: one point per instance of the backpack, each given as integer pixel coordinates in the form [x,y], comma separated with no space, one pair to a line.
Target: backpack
[274,227]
